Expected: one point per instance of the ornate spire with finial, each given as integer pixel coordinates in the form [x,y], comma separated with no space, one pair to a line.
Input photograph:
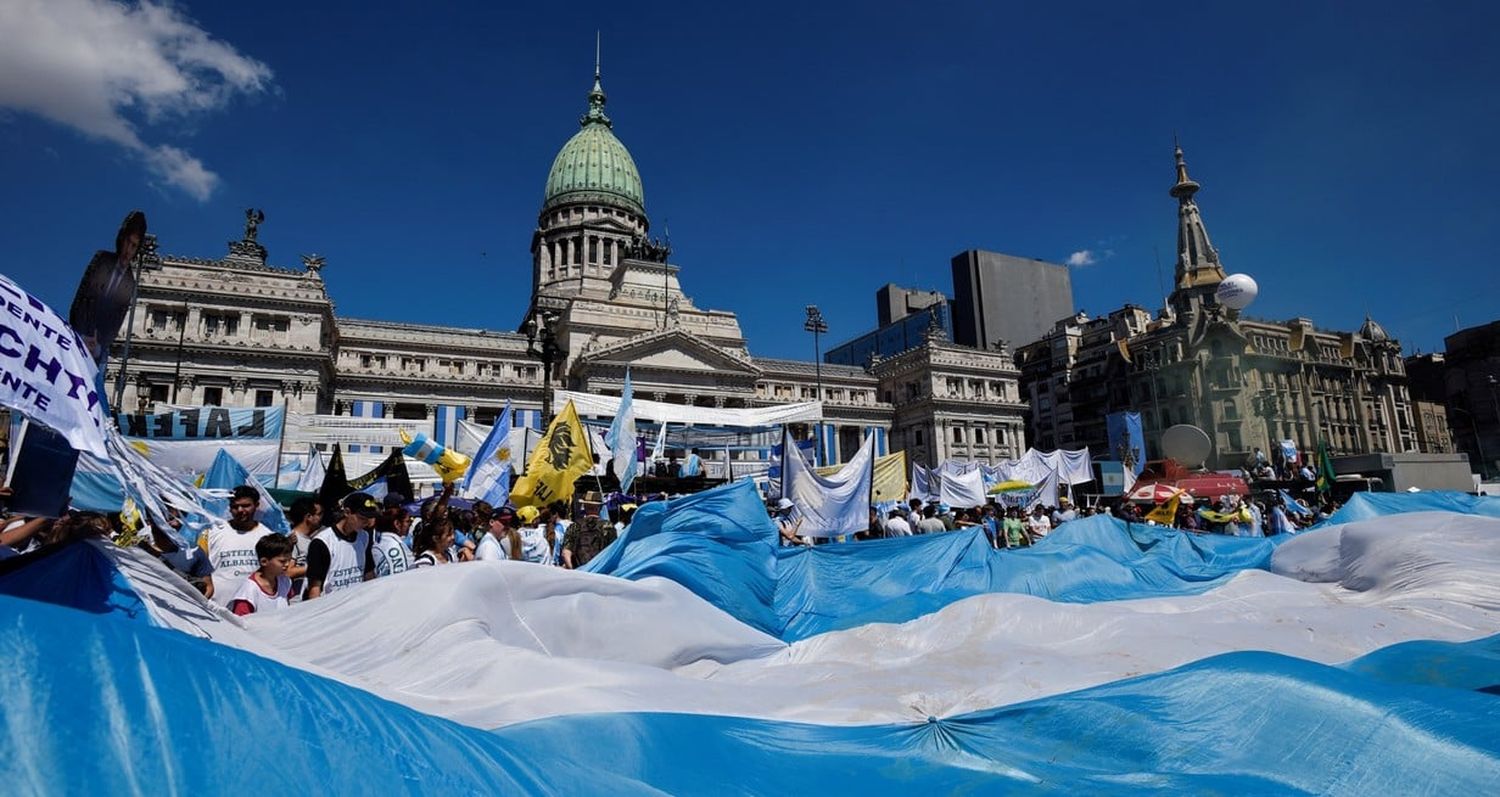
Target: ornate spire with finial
[1197,260]
[596,95]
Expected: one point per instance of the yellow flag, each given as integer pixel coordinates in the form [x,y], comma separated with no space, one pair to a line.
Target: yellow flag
[559,459]
[888,482]
[1166,514]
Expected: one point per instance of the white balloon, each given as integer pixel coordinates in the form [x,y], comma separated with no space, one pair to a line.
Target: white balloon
[1237,291]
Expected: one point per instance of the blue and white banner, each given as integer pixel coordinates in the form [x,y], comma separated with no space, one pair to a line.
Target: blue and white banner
[445,424]
[45,371]
[1127,443]
[366,409]
[205,423]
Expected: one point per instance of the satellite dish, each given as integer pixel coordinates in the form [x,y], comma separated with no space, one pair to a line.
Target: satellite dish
[1237,291]
[1187,444]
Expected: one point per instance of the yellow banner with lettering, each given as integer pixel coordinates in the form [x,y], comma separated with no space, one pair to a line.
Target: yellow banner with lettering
[558,460]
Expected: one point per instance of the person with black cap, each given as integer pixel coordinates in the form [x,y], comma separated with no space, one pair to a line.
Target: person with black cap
[391,554]
[339,556]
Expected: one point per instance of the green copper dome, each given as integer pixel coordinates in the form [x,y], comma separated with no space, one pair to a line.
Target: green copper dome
[594,166]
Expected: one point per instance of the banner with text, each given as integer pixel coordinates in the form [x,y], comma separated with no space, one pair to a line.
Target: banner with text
[45,370]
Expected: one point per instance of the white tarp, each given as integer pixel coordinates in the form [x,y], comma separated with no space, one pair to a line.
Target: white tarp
[830,505]
[663,412]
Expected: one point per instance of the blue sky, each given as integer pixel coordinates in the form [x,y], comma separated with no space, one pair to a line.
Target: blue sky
[801,153]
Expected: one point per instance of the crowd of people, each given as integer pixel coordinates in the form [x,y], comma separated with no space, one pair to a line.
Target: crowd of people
[246,567]
[1016,527]
[243,565]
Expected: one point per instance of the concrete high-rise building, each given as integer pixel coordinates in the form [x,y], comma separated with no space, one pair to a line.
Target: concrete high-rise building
[1005,298]
[893,302]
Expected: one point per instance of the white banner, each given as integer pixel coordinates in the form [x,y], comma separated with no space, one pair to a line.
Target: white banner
[662,412]
[46,373]
[962,490]
[830,505]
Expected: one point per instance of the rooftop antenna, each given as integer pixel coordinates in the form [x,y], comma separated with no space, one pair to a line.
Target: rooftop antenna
[596,55]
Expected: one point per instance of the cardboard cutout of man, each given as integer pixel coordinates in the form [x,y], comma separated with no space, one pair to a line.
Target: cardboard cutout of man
[106,290]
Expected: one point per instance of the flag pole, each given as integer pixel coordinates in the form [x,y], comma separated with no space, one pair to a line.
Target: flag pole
[280,445]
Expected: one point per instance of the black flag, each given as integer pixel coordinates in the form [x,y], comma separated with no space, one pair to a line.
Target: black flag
[335,482]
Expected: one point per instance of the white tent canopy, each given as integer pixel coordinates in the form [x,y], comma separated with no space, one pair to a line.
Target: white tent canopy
[663,412]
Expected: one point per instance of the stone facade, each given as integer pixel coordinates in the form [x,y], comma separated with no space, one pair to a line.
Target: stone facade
[613,300]
[1246,382]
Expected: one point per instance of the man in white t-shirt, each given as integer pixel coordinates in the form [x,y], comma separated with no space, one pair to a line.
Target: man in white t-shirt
[1038,524]
[339,556]
[231,546]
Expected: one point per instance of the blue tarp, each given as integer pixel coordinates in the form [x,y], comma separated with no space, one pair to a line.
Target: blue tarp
[721,545]
[93,705]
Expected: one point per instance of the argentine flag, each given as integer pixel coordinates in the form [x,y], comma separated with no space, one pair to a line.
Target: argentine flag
[1361,656]
[621,438]
[488,477]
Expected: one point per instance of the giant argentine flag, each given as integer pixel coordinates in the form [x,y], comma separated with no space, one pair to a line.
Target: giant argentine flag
[621,438]
[488,477]
[1355,658]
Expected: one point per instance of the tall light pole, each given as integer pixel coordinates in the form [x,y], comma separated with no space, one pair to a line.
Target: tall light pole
[541,344]
[816,325]
[1268,406]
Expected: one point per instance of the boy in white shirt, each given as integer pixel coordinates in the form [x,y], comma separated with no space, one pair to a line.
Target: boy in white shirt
[268,588]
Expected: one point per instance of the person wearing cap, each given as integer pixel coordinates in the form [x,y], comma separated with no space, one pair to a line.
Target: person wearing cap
[502,540]
[391,554]
[786,525]
[339,556]
[1064,512]
[590,535]
[535,547]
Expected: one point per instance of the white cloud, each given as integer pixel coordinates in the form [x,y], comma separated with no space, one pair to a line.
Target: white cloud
[1083,257]
[98,66]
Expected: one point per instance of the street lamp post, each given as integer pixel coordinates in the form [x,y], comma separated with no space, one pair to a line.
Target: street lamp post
[816,325]
[147,249]
[541,344]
